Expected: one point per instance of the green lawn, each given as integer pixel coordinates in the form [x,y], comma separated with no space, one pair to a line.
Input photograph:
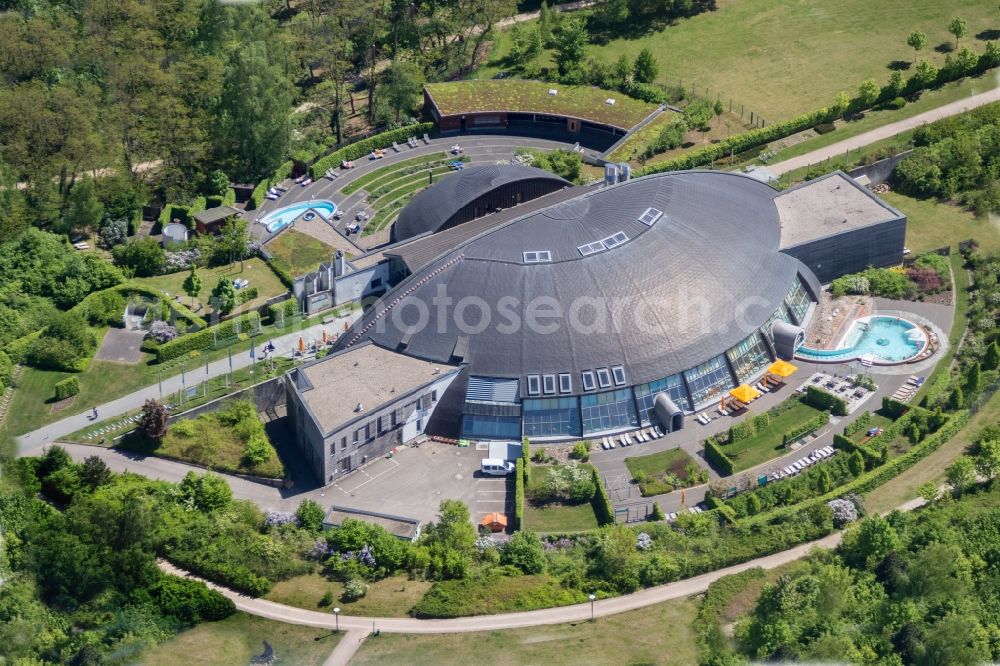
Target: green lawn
[238,638]
[387,205]
[656,465]
[519,95]
[556,516]
[659,634]
[297,253]
[781,58]
[390,597]
[372,180]
[931,224]
[768,444]
[255,270]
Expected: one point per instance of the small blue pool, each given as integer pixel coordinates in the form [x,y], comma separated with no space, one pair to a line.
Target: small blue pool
[277,220]
[883,339]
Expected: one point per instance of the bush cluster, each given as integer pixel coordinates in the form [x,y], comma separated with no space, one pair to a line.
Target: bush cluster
[66,388]
[824,400]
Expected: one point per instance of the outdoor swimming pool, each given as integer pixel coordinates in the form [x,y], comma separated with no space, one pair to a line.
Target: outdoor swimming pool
[279,219]
[884,339]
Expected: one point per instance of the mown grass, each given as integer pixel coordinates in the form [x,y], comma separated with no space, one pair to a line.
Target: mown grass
[390,597]
[238,638]
[768,444]
[378,174]
[659,634]
[653,468]
[556,516]
[297,253]
[931,224]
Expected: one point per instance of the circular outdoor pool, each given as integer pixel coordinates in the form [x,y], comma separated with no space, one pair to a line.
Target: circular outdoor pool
[880,338]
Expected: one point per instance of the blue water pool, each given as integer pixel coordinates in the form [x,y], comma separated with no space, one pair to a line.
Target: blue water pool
[279,219]
[884,339]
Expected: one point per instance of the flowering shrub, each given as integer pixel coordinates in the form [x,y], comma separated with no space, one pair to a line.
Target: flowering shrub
[844,511]
[558,544]
[181,259]
[485,543]
[643,541]
[278,518]
[320,550]
[162,332]
[354,589]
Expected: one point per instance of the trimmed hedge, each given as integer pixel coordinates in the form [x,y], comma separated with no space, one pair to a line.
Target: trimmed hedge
[237,577]
[844,444]
[182,212]
[205,337]
[813,424]
[283,171]
[246,294]
[717,459]
[361,148]
[742,142]
[857,425]
[178,309]
[893,409]
[820,399]
[67,387]
[289,308]
[603,509]
[518,493]
[526,457]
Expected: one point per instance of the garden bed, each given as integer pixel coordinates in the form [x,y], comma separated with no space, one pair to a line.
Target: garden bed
[664,472]
[545,512]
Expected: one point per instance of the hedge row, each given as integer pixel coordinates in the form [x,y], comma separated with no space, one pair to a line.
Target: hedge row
[127,288]
[857,425]
[361,148]
[205,337]
[875,478]
[742,142]
[182,212]
[813,424]
[603,508]
[717,459]
[518,493]
[821,399]
[235,576]
[893,409]
[257,196]
[288,308]
[67,387]
[526,456]
[246,294]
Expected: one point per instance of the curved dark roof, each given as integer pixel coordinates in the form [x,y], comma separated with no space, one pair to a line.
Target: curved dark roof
[432,208]
[674,295]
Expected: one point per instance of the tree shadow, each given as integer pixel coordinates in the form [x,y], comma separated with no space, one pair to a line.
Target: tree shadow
[945,47]
[899,65]
[992,34]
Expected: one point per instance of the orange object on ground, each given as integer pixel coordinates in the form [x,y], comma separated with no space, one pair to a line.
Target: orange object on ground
[497,522]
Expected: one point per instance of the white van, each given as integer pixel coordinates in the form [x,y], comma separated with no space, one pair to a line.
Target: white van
[497,467]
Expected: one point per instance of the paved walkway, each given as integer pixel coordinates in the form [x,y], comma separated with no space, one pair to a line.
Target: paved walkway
[346,648]
[886,131]
[32,442]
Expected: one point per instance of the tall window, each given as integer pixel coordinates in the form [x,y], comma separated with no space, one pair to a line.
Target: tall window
[550,417]
[475,426]
[608,411]
[645,393]
[749,357]
[798,301]
[709,380]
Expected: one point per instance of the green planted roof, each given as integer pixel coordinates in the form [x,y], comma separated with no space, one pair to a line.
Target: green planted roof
[586,102]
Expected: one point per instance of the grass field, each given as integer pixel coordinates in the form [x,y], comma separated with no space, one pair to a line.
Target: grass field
[236,639]
[297,253]
[767,444]
[391,597]
[659,634]
[780,58]
[372,180]
[931,224]
[388,203]
[255,270]
[520,95]
[556,516]
[655,466]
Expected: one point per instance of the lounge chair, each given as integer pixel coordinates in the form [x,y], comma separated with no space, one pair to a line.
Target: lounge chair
[610,441]
[395,146]
[628,438]
[604,444]
[652,433]
[427,139]
[622,440]
[639,437]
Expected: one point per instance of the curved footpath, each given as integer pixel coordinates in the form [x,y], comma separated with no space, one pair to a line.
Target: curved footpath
[562,614]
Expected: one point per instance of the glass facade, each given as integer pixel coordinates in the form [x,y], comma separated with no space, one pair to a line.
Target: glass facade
[672,386]
[782,314]
[608,411]
[749,357]
[709,380]
[491,427]
[551,417]
[798,301]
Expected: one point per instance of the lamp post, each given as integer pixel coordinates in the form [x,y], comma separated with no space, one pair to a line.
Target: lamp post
[591,597]
[336,614]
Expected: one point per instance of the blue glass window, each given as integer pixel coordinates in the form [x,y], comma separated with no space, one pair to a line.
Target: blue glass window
[782,314]
[477,426]
[608,411]
[749,358]
[672,386]
[550,417]
[709,380]
[798,301]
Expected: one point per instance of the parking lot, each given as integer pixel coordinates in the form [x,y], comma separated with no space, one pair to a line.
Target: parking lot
[413,482]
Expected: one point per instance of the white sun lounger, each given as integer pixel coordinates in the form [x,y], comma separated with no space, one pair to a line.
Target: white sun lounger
[659,433]
[610,441]
[427,139]
[395,146]
[641,436]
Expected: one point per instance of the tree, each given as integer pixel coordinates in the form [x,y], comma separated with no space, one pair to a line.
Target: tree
[956,399]
[526,44]
[925,74]
[547,21]
[206,492]
[450,541]
[113,231]
[868,93]
[234,239]
[896,85]
[856,463]
[524,551]
[646,68]
[94,472]
[916,41]
[153,421]
[216,183]
[403,86]
[928,492]
[973,380]
[224,295]
[192,284]
[718,110]
[83,210]
[987,459]
[991,360]
[310,515]
[958,27]
[960,474]
[873,539]
[622,69]
[570,46]
[142,255]
[842,103]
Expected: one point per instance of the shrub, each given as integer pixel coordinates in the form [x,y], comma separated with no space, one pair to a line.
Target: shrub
[326,600]
[246,294]
[310,515]
[821,399]
[656,514]
[144,256]
[162,332]
[67,387]
[190,601]
[603,508]
[354,589]
[717,459]
[365,146]
[258,450]
[206,337]
[581,451]
[518,493]
[153,421]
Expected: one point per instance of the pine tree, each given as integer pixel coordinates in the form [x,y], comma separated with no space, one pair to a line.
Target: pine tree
[192,284]
[956,399]
[973,380]
[991,361]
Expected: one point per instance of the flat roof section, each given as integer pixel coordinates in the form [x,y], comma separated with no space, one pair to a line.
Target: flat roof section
[520,96]
[367,374]
[827,206]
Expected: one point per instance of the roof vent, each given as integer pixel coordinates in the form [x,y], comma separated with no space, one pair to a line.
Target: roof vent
[359,408]
[591,248]
[615,240]
[537,257]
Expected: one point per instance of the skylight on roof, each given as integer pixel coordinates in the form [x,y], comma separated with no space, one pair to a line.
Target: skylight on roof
[591,248]
[588,380]
[650,217]
[615,240]
[537,257]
